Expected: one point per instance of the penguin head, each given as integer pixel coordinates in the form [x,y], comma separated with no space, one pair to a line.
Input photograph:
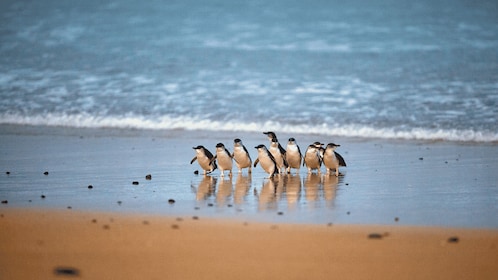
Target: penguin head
[260,147]
[274,142]
[318,144]
[292,140]
[220,145]
[198,148]
[271,135]
[237,142]
[311,148]
[332,146]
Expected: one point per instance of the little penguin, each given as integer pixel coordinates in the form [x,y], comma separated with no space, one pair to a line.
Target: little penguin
[241,156]
[267,161]
[205,159]
[278,155]
[293,155]
[271,135]
[312,159]
[224,159]
[332,160]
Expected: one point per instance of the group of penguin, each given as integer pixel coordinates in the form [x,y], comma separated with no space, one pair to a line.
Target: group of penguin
[275,160]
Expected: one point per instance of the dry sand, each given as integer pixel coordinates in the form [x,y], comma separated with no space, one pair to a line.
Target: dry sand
[47,244]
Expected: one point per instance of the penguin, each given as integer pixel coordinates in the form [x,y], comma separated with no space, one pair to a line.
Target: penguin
[224,159]
[332,160]
[293,155]
[267,161]
[271,135]
[205,159]
[312,159]
[241,156]
[278,155]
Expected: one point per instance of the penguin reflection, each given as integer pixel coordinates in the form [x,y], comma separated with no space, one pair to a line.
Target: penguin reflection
[225,188]
[312,187]
[293,189]
[205,188]
[242,186]
[330,183]
[268,195]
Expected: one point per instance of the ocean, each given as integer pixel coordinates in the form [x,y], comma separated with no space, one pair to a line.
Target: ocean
[424,70]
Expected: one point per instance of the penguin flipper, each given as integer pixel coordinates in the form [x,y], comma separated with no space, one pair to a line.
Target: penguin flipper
[342,162]
[256,162]
[192,161]
[213,159]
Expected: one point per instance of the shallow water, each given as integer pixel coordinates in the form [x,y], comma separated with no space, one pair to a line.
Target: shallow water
[389,182]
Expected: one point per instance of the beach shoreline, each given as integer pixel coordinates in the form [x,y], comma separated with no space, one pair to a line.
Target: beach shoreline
[389,182]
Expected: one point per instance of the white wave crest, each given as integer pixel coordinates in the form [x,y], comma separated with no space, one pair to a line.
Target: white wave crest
[195,123]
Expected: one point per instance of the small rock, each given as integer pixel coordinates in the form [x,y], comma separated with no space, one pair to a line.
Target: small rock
[119,202]
[375,236]
[43,196]
[453,239]
[210,205]
[280,213]
[135,182]
[175,227]
[195,218]
[106,227]
[171,201]
[45,173]
[94,221]
[69,207]
[145,222]
[396,219]
[5,201]
[196,172]
[420,158]
[148,177]
[66,271]
[90,187]
[8,172]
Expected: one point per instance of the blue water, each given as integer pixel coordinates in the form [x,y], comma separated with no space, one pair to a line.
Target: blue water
[390,69]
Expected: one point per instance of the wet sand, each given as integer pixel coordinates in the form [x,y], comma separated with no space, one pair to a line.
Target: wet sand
[48,244]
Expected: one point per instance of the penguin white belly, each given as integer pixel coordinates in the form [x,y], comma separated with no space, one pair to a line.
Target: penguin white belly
[204,162]
[293,157]
[241,158]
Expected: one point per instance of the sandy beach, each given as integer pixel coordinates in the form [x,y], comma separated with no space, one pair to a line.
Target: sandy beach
[77,203]
[68,244]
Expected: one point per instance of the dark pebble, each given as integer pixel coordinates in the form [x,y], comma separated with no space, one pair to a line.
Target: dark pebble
[179,219]
[348,212]
[106,227]
[375,236]
[135,182]
[195,218]
[148,177]
[420,158]
[330,224]
[45,173]
[280,213]
[8,172]
[171,201]
[66,271]
[347,184]
[5,201]
[145,222]
[229,205]
[119,202]
[453,239]
[69,207]
[210,205]
[175,227]
[396,219]
[197,208]
[90,187]
[196,172]
[94,221]
[42,196]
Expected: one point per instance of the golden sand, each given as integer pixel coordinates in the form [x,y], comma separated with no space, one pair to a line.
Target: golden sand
[46,244]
